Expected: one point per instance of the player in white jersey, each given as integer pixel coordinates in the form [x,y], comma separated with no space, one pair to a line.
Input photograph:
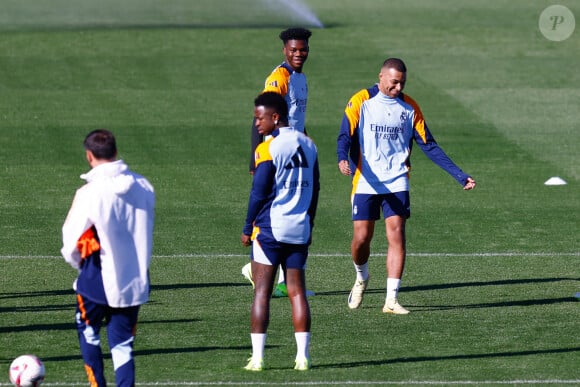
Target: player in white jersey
[279,222]
[378,128]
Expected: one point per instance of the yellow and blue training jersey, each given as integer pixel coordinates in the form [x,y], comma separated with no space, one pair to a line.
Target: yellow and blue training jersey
[284,195]
[376,135]
[293,87]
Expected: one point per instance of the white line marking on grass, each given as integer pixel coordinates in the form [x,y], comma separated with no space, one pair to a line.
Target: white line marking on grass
[334,383]
[354,383]
[405,383]
[342,255]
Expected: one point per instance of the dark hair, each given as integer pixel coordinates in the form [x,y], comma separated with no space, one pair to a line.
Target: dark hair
[295,34]
[272,100]
[395,63]
[102,144]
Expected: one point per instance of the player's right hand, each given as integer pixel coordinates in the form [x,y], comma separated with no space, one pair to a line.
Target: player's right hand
[344,167]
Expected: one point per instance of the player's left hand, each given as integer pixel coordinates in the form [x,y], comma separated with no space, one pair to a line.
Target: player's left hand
[470,184]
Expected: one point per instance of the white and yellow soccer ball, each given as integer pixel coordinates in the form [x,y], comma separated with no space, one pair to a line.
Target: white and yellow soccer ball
[27,371]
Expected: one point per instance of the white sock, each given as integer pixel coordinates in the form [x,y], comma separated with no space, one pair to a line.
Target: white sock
[362,271]
[393,285]
[258,344]
[302,344]
[281,278]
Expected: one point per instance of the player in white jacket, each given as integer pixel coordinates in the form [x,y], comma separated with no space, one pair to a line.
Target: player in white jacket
[108,237]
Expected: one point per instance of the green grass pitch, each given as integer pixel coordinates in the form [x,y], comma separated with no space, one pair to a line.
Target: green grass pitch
[491,274]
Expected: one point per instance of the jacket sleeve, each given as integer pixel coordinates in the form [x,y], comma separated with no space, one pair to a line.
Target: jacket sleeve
[315,192]
[434,152]
[75,225]
[344,141]
[262,186]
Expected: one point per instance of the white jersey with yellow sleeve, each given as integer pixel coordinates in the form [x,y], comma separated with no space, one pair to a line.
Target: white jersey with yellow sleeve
[291,85]
[285,186]
[376,134]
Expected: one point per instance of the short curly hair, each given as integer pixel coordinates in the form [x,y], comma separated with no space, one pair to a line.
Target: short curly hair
[295,34]
[275,101]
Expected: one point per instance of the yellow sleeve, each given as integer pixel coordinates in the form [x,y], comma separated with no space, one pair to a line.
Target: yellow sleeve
[263,152]
[352,110]
[277,81]
[419,121]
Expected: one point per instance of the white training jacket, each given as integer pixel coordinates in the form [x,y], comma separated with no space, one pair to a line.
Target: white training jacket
[119,205]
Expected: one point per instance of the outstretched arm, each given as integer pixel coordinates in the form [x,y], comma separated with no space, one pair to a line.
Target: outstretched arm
[434,152]
[424,139]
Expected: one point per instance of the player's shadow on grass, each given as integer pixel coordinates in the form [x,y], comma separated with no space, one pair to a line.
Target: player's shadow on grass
[37,308]
[544,301]
[70,291]
[47,293]
[197,286]
[162,351]
[71,325]
[487,283]
[420,359]
[39,327]
[421,288]
[44,306]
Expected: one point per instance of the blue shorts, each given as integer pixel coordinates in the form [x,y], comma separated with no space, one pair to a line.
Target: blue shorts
[270,252]
[368,206]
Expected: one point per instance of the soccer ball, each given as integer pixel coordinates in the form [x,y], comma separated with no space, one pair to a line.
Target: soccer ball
[27,371]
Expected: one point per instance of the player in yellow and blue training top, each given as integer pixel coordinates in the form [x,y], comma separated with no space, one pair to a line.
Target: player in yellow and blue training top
[288,80]
[279,222]
[377,131]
